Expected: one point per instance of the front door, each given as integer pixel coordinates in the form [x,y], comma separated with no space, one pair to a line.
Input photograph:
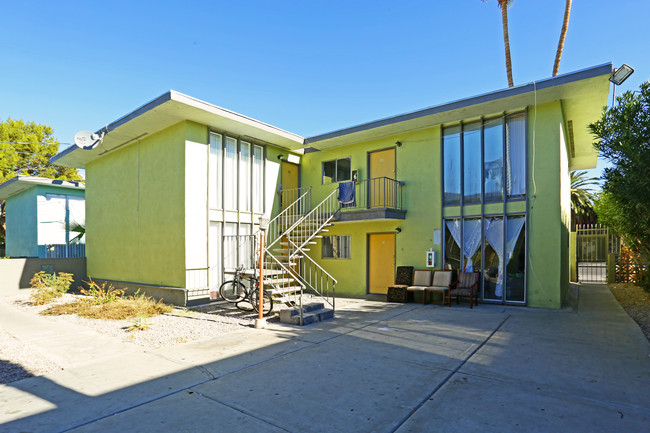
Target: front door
[381,188]
[381,262]
[290,182]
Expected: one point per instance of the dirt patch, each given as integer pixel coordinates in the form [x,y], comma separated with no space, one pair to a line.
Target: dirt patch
[636,303]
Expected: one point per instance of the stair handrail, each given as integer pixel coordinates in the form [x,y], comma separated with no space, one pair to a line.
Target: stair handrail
[273,228]
[312,285]
[327,201]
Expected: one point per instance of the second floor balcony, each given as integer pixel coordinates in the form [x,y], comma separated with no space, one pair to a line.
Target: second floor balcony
[374,199]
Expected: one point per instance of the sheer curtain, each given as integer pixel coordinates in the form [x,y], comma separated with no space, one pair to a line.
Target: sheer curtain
[214,172]
[258,179]
[230,174]
[245,176]
[471,241]
[516,153]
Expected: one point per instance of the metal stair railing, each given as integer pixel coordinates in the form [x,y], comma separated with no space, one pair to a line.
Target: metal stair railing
[317,279]
[294,212]
[317,219]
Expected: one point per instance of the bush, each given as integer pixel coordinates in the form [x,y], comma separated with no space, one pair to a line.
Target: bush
[48,287]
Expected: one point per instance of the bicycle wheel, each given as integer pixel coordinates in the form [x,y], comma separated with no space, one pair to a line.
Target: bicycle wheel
[232,291]
[267,306]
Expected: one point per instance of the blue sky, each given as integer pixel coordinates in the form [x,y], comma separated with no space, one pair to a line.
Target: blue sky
[305,66]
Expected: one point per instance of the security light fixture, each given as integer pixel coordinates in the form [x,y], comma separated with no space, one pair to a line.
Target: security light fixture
[280,157]
[398,143]
[619,75]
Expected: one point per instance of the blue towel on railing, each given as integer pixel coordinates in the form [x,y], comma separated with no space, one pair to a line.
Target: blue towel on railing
[346,194]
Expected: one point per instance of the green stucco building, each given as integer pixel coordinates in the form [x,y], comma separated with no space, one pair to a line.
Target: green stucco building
[177,187]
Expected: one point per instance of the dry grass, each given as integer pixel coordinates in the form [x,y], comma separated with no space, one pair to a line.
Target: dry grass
[107,303]
[48,287]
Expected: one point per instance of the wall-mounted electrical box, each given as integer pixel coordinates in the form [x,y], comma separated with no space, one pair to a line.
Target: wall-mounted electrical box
[431,258]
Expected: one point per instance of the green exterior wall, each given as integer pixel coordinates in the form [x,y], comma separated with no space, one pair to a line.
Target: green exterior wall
[135,211]
[22,224]
[418,165]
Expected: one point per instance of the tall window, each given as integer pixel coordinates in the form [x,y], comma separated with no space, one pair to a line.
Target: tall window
[338,170]
[215,171]
[516,152]
[472,163]
[258,179]
[451,151]
[245,176]
[230,174]
[482,162]
[493,159]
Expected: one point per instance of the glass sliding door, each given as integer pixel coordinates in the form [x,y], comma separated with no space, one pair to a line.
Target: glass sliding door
[493,259]
[451,167]
[472,163]
[471,244]
[493,159]
[452,245]
[516,259]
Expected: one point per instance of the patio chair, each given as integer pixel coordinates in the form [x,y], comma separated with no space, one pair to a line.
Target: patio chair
[467,286]
[403,278]
[442,282]
[421,280]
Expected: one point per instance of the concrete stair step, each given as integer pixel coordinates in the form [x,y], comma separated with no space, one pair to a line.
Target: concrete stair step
[312,313]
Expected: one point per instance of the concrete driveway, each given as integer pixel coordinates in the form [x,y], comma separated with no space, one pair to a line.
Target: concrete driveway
[377,367]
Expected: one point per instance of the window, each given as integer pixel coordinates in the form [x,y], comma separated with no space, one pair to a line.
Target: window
[338,170]
[451,149]
[258,179]
[336,247]
[245,176]
[215,171]
[473,157]
[230,174]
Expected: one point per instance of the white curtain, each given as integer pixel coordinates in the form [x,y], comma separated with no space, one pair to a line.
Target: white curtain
[494,236]
[245,176]
[471,241]
[258,179]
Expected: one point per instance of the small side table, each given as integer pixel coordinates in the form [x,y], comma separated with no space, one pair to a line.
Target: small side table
[397,293]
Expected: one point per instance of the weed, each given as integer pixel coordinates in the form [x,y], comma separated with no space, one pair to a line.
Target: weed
[139,324]
[48,287]
[102,294]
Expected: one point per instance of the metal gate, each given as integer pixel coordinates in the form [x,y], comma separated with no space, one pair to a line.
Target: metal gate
[593,244]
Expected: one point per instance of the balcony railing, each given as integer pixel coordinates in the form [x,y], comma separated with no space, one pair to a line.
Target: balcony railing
[376,193]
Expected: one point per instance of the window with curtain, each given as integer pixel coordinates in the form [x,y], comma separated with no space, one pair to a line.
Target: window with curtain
[516,156]
[493,159]
[336,247]
[215,171]
[258,179]
[451,166]
[230,174]
[52,216]
[492,262]
[515,258]
[245,176]
[452,244]
[472,163]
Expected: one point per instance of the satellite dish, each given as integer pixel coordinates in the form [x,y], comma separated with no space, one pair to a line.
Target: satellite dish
[87,140]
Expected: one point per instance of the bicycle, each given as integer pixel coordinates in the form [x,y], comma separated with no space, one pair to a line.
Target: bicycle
[236,292]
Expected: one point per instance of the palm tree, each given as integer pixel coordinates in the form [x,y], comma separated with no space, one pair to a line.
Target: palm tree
[560,45]
[504,4]
[582,197]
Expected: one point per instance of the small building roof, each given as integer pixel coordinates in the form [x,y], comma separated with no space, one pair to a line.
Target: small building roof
[166,110]
[21,183]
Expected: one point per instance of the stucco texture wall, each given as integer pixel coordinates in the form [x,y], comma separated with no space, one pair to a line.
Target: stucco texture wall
[418,166]
[135,211]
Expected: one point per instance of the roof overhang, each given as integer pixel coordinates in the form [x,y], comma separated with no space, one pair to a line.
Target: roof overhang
[582,94]
[167,110]
[20,183]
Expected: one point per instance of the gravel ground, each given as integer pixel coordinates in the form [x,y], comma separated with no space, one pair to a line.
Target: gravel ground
[636,303]
[19,360]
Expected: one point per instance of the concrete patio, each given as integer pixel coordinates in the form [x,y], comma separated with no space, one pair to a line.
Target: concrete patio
[376,367]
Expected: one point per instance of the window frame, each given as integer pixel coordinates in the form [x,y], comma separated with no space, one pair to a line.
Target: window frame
[336,170]
[335,256]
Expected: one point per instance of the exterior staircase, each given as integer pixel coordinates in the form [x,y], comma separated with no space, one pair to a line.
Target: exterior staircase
[290,274]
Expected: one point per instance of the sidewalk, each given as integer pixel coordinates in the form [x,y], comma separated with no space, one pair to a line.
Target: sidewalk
[376,367]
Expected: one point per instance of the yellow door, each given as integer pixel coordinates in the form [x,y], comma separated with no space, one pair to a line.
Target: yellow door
[381,262]
[382,191]
[290,183]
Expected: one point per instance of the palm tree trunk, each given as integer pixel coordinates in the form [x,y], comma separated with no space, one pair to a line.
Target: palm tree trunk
[560,45]
[506,39]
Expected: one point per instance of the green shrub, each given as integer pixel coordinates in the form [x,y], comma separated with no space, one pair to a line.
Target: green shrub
[48,287]
[102,294]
